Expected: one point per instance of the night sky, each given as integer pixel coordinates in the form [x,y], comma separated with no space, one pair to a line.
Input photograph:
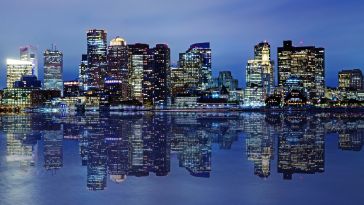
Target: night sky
[233,27]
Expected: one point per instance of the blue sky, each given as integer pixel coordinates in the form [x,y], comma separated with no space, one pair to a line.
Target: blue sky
[233,27]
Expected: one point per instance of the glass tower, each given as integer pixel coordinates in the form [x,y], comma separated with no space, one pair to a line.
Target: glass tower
[96,58]
[53,69]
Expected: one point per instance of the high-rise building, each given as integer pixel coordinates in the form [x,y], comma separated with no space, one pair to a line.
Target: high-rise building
[82,74]
[137,64]
[161,73]
[351,79]
[191,64]
[306,63]
[29,53]
[117,70]
[53,69]
[196,62]
[16,69]
[96,59]
[259,75]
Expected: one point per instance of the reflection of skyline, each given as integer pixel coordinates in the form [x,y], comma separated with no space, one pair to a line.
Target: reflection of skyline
[121,146]
[301,146]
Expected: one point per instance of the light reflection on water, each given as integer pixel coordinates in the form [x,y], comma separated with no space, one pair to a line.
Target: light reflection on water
[103,152]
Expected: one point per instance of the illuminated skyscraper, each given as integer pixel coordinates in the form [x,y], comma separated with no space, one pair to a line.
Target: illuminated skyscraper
[306,63]
[138,63]
[351,79]
[259,76]
[96,58]
[53,69]
[117,58]
[82,74]
[178,76]
[16,69]
[29,53]
[161,74]
[196,63]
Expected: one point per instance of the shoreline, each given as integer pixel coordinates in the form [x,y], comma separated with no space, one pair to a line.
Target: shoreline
[222,110]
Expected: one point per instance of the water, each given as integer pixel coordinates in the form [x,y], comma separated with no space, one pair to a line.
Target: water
[182,158]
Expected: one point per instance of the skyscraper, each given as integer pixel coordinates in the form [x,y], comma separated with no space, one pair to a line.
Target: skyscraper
[161,74]
[117,70]
[96,58]
[306,63]
[351,79]
[259,75]
[137,64]
[53,69]
[82,74]
[191,64]
[196,62]
[16,69]
[29,53]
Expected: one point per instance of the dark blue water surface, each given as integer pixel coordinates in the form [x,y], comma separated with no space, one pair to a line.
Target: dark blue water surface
[182,159]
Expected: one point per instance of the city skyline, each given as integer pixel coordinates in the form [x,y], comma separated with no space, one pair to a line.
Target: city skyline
[229,28]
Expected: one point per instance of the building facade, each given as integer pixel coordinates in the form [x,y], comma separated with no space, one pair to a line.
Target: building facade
[137,63]
[161,74]
[259,76]
[351,79]
[16,69]
[96,59]
[196,63]
[117,58]
[29,53]
[306,63]
[53,70]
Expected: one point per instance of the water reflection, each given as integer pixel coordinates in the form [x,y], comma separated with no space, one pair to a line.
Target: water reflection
[140,144]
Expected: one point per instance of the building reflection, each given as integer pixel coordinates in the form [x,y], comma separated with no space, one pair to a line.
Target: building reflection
[53,149]
[115,147]
[21,140]
[301,146]
[259,144]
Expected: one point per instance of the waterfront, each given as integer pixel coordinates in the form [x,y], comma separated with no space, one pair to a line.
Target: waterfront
[182,158]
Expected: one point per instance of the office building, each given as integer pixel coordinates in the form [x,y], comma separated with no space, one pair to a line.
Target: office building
[137,63]
[71,88]
[29,53]
[82,72]
[259,76]
[117,57]
[53,69]
[306,63]
[196,63]
[161,73]
[225,79]
[16,69]
[351,79]
[96,59]
[28,81]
